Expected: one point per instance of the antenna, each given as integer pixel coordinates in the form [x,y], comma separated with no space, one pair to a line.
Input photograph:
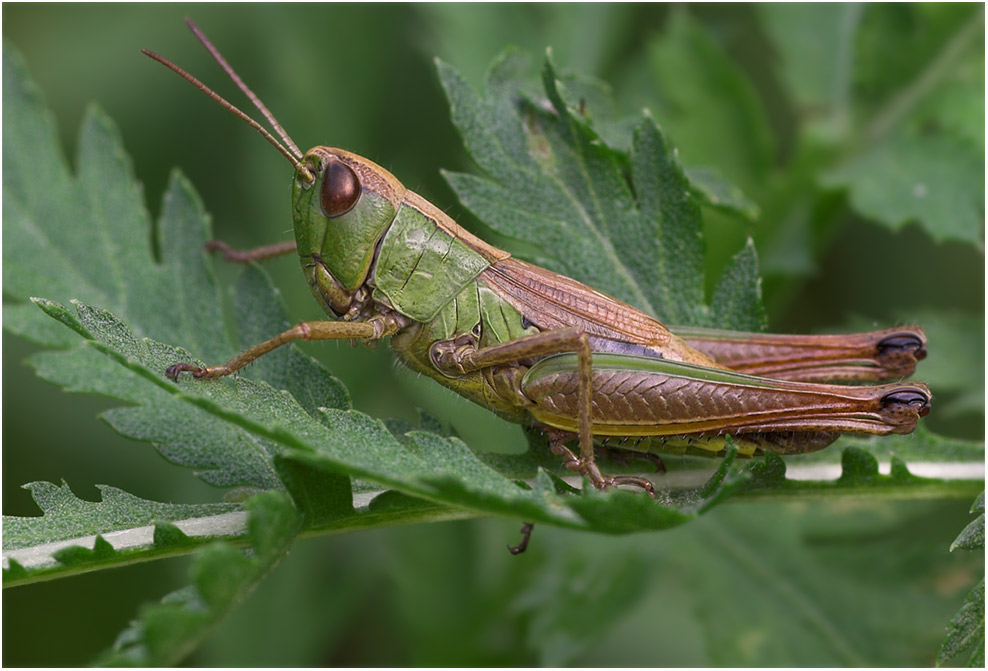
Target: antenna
[218,57]
[293,158]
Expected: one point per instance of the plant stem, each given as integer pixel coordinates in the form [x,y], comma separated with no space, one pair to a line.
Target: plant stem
[941,67]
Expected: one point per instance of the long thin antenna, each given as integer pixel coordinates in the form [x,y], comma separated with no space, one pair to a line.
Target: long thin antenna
[232,108]
[218,57]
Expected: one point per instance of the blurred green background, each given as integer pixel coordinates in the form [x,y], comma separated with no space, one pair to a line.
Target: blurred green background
[783,101]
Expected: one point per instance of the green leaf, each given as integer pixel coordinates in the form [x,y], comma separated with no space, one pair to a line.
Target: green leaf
[66,516]
[222,576]
[798,595]
[571,596]
[320,497]
[551,179]
[972,537]
[428,466]
[672,261]
[967,628]
[938,467]
[932,180]
[104,203]
[70,535]
[175,299]
[915,160]
[710,186]
[737,301]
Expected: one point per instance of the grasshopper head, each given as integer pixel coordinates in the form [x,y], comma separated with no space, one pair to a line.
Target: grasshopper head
[343,203]
[342,206]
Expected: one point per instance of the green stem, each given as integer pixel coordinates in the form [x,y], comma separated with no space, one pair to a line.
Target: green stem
[940,68]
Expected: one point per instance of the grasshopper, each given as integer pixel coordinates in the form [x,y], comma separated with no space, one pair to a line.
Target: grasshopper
[542,349]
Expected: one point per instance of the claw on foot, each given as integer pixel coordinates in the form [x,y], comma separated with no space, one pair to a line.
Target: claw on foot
[173,371]
[589,469]
[218,246]
[526,535]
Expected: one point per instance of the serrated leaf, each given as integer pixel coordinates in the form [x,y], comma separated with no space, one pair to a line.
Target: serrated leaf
[550,179]
[672,260]
[65,516]
[440,469]
[737,300]
[972,537]
[967,628]
[71,534]
[104,204]
[222,576]
[174,299]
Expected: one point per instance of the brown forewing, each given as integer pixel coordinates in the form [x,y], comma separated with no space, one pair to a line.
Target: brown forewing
[553,301]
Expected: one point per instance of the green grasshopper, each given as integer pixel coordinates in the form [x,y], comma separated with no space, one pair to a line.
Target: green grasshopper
[542,349]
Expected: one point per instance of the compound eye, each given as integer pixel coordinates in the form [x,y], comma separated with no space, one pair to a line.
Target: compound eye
[340,189]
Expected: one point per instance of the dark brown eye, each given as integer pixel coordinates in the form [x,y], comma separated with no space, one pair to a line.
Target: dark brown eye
[340,189]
